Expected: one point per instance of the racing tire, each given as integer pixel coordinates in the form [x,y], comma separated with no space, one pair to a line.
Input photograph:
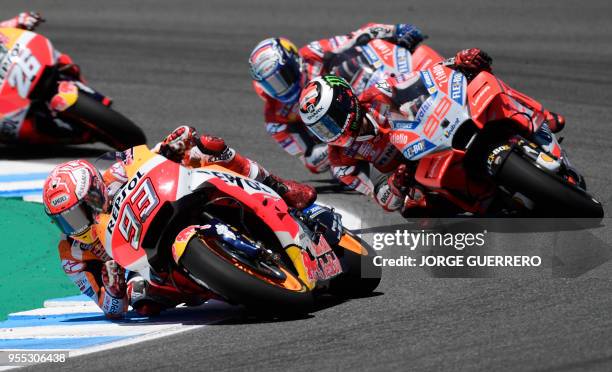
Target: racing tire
[218,274]
[552,195]
[106,124]
[360,277]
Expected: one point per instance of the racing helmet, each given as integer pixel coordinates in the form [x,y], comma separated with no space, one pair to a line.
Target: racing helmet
[72,194]
[275,67]
[330,110]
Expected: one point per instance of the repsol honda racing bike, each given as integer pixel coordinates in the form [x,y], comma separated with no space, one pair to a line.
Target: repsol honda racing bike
[210,229]
[478,147]
[32,81]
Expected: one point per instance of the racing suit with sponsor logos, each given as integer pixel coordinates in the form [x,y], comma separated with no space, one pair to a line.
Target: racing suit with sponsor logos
[83,262]
[282,120]
[381,103]
[20,121]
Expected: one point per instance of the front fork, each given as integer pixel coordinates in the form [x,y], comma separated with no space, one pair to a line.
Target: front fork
[544,150]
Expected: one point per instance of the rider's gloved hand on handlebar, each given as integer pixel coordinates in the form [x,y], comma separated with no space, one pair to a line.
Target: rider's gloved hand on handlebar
[407,195]
[28,20]
[472,61]
[408,36]
[178,142]
[400,180]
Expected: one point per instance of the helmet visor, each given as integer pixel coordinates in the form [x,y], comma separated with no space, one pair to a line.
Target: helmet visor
[282,81]
[327,129]
[74,220]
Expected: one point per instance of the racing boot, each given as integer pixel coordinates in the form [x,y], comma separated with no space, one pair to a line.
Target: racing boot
[141,301]
[556,122]
[415,204]
[67,66]
[149,299]
[325,221]
[297,195]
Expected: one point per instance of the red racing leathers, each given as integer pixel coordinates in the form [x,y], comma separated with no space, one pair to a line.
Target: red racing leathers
[282,120]
[380,105]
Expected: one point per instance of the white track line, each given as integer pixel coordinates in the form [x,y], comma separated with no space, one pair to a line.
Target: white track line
[179,328]
[56,311]
[23,167]
[83,330]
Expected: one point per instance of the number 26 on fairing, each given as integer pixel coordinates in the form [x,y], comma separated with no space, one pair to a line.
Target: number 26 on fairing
[23,72]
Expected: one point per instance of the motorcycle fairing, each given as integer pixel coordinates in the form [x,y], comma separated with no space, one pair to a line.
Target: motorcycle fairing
[24,58]
[438,118]
[122,229]
[315,261]
[491,99]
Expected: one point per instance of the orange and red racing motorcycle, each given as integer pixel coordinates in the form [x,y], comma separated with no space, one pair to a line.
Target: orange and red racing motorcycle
[32,80]
[210,229]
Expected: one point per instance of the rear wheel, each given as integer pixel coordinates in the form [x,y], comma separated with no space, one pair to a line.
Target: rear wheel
[360,277]
[274,289]
[107,125]
[552,195]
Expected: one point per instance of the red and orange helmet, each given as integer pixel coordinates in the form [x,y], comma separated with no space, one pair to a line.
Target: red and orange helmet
[73,193]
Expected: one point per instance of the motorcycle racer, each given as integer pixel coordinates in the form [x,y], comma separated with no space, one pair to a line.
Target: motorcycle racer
[19,122]
[24,20]
[355,128]
[76,192]
[279,71]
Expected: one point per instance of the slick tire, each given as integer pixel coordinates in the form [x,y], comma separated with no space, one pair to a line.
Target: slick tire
[552,195]
[107,125]
[241,287]
[361,277]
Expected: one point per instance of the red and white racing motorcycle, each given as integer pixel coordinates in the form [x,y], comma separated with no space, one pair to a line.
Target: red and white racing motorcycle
[32,80]
[210,229]
[476,146]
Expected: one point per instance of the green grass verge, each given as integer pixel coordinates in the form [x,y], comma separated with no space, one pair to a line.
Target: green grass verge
[30,269]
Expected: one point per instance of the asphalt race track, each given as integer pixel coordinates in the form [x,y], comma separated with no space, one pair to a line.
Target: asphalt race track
[172,62]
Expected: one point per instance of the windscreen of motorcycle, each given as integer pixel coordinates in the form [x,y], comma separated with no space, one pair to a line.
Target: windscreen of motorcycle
[431,109]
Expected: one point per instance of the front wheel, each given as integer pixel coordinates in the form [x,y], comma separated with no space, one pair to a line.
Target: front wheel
[212,264]
[360,276]
[552,196]
[107,125]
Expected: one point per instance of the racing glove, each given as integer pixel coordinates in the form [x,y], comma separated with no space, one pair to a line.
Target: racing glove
[24,20]
[407,36]
[177,143]
[472,61]
[113,300]
[400,192]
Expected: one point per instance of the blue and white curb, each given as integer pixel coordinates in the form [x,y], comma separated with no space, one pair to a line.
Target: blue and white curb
[77,324]
[23,179]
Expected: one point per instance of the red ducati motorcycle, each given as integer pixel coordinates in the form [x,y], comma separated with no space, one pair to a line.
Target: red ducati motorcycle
[478,147]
